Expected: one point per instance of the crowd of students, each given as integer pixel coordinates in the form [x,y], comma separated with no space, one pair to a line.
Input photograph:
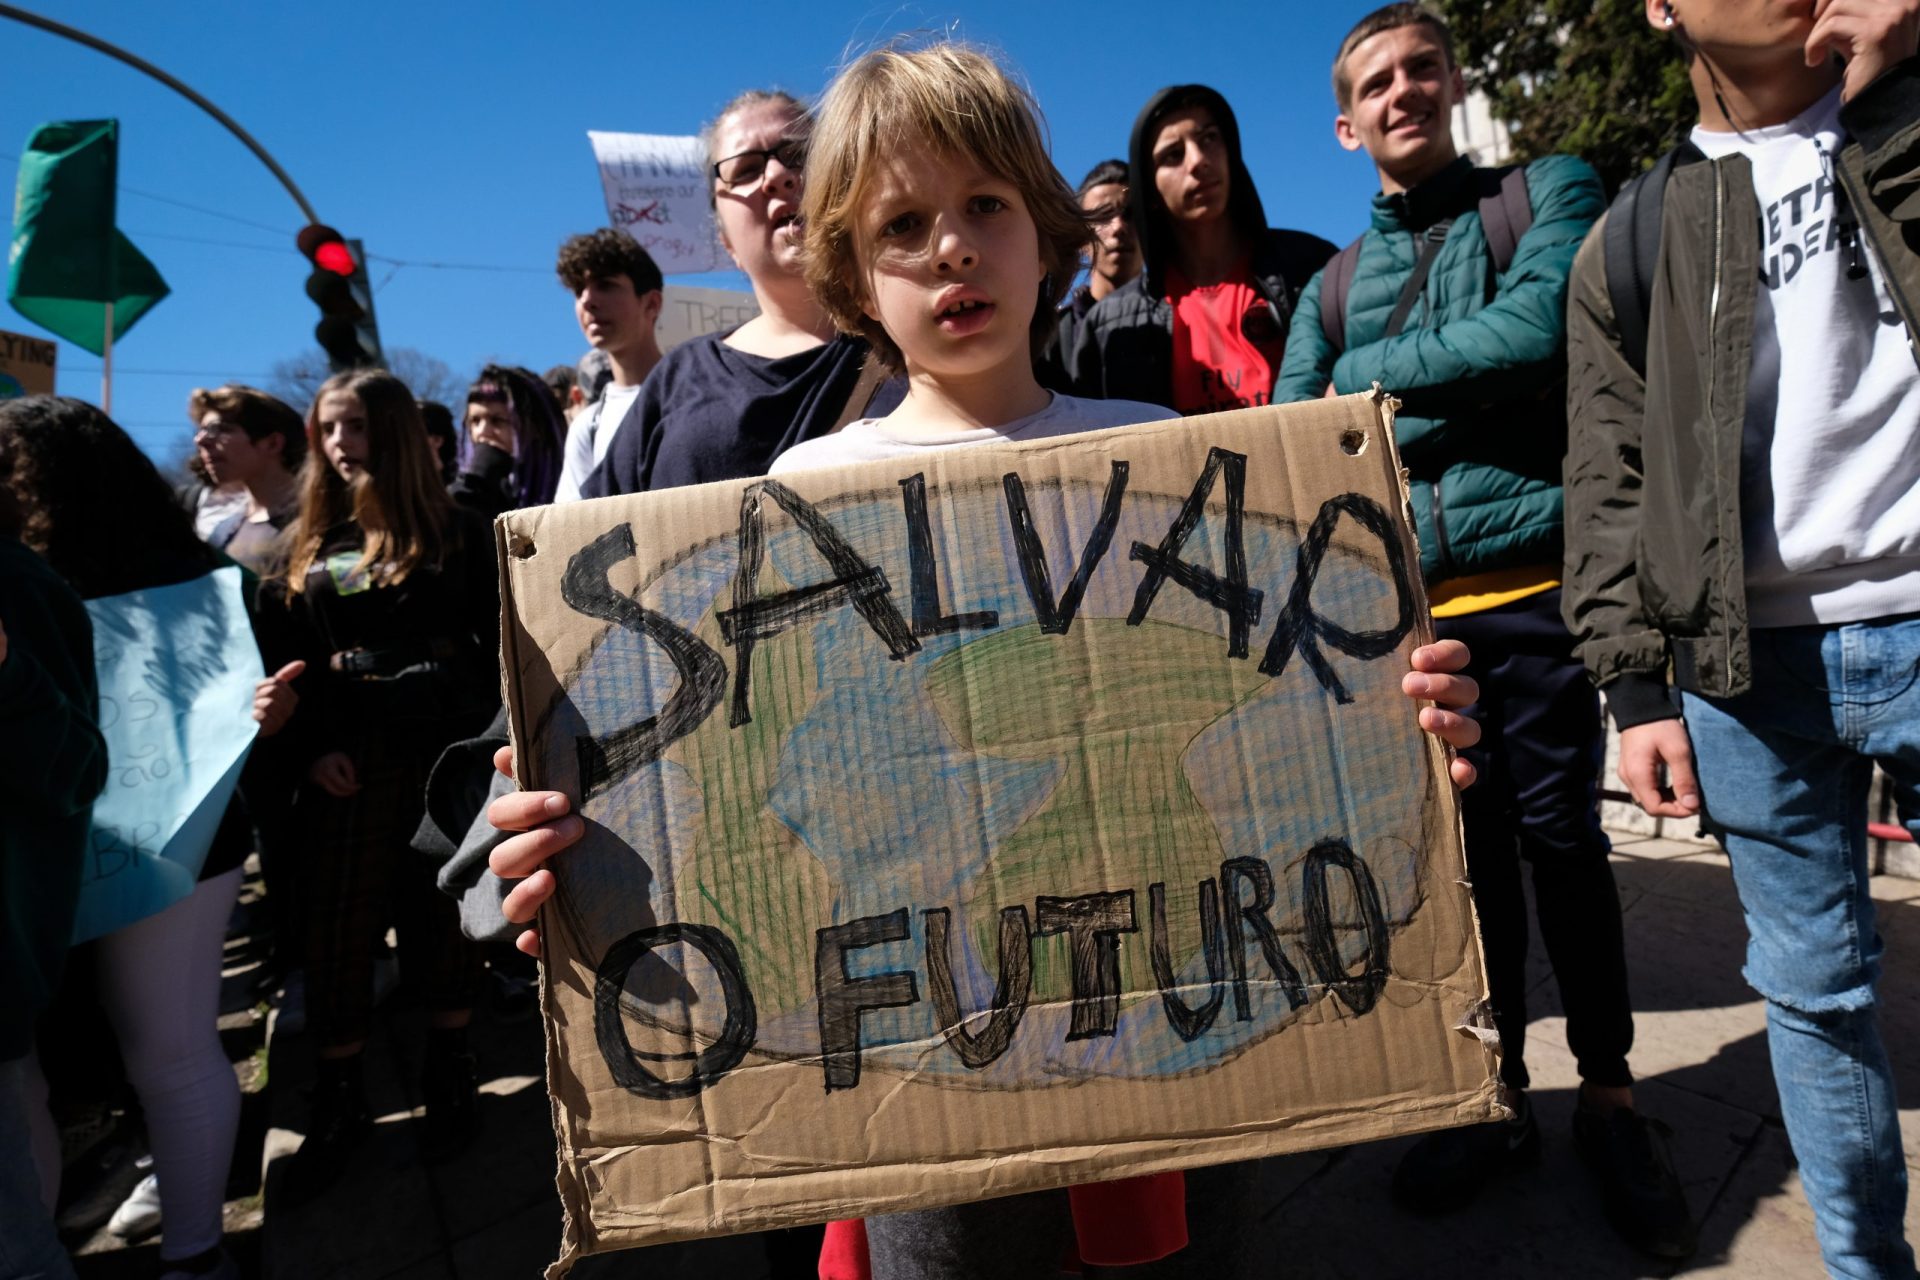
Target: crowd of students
[1670,449]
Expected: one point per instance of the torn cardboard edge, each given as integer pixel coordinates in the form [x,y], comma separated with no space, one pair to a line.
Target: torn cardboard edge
[610,1202]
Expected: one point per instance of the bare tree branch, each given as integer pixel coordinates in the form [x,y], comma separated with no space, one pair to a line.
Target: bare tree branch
[297,379]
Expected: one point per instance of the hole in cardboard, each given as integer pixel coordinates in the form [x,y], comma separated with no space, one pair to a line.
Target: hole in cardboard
[520,548]
[1353,443]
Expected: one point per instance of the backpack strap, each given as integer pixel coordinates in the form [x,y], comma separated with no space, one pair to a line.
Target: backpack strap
[872,374]
[1430,247]
[1506,213]
[1335,283]
[1632,252]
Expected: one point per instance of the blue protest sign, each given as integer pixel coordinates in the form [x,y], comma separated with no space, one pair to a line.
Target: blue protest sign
[177,666]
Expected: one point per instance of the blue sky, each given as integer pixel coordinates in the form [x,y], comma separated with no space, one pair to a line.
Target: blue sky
[457,133]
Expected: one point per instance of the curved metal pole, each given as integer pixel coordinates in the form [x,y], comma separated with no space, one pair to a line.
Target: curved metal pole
[141,64]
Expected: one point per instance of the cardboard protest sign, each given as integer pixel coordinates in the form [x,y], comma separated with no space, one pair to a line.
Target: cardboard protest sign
[176,666]
[991,819]
[687,311]
[26,365]
[656,191]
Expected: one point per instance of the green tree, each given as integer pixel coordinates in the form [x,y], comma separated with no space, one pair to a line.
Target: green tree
[1576,76]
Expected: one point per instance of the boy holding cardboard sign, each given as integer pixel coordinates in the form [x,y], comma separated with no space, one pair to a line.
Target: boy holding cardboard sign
[937,227]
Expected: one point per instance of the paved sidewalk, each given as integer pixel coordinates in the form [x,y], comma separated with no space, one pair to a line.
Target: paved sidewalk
[1700,1053]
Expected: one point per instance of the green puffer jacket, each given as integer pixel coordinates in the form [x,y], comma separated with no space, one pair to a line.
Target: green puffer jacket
[1479,368]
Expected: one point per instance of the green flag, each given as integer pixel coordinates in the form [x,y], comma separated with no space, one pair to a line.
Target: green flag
[67,260]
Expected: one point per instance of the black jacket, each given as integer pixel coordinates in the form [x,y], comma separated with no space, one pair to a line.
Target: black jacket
[1054,367]
[52,765]
[1655,571]
[485,484]
[424,667]
[1124,348]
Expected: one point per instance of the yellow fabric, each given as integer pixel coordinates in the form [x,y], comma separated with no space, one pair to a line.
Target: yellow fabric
[1478,592]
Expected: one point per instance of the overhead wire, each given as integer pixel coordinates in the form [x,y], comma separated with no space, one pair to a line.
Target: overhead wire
[455,266]
[225,244]
[197,208]
[165,373]
[211,213]
[262,226]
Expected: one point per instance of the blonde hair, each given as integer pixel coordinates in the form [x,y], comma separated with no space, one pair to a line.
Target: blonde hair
[952,100]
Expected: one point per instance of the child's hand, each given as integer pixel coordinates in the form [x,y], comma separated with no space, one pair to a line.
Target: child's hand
[1433,678]
[274,698]
[545,827]
[334,774]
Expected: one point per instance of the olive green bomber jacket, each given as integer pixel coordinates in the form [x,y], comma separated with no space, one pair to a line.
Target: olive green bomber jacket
[1654,559]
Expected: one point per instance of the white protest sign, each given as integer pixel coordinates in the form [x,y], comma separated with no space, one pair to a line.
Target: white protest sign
[656,190]
[177,666]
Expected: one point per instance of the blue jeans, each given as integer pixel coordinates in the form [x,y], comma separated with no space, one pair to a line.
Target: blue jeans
[1785,769]
[29,1249]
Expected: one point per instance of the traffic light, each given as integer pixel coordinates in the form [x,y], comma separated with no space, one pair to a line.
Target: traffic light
[347,331]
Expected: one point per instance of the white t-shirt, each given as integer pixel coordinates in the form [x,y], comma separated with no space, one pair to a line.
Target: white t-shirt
[1830,462]
[592,432]
[216,507]
[871,439]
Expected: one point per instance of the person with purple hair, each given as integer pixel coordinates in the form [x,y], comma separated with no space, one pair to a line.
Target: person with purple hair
[510,451]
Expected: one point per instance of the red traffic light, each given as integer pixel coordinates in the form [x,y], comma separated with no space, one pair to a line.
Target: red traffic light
[338,285]
[326,249]
[333,256]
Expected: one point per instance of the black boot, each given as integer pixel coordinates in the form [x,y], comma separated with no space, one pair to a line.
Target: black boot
[1444,1171]
[1644,1200]
[449,1087]
[337,1124]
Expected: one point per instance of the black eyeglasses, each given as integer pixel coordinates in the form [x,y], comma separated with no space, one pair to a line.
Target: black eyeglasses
[746,168]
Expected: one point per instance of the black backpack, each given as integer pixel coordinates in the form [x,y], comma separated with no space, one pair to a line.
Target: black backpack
[1632,251]
[1506,214]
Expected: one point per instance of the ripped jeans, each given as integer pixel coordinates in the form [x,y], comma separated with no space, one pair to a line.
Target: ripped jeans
[1785,770]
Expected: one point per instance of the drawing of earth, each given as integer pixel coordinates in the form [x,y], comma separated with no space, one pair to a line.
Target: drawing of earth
[990,768]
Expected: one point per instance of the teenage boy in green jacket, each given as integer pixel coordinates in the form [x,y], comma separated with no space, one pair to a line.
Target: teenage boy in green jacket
[1472,339]
[1743,522]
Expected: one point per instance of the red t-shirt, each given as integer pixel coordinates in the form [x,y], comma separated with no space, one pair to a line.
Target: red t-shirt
[1226,345]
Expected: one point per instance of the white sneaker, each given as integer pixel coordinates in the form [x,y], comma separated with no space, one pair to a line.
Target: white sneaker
[139,1214]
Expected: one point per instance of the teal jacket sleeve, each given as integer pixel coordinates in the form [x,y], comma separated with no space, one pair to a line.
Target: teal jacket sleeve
[52,756]
[1307,366]
[1513,344]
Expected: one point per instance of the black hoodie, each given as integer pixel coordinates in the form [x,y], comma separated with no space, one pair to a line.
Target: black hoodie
[1124,350]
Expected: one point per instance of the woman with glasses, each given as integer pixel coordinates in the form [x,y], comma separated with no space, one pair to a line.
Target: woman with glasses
[723,406]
